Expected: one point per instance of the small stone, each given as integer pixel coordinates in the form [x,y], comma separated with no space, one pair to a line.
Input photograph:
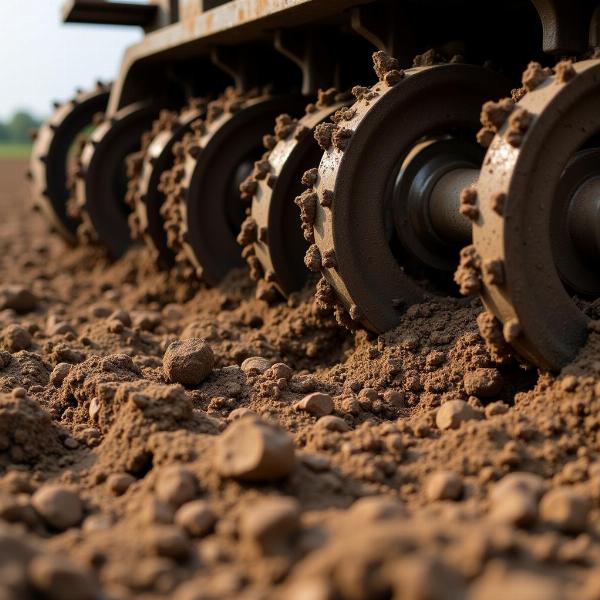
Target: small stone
[188,362]
[17,298]
[98,311]
[455,412]
[515,498]
[271,524]
[59,506]
[154,511]
[256,364]
[443,485]
[565,509]
[496,408]
[316,404]
[59,373]
[253,450]
[196,518]
[376,508]
[70,443]
[123,316]
[280,371]
[169,541]
[333,423]
[55,578]
[483,382]
[175,485]
[119,483]
[16,338]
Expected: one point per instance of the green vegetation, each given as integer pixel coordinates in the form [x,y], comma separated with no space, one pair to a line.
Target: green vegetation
[14,150]
[15,135]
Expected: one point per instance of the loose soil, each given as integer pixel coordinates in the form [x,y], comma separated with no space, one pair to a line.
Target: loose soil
[298,461]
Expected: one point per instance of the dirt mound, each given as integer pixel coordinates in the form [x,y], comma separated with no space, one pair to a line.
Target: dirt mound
[304,461]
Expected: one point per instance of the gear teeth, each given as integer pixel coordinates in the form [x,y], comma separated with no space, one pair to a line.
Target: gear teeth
[565,71]
[468,203]
[493,117]
[249,232]
[518,124]
[312,259]
[493,272]
[324,135]
[310,177]
[341,138]
[468,273]
[498,203]
[534,75]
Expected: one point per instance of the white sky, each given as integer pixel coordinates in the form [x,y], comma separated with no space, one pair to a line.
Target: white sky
[42,59]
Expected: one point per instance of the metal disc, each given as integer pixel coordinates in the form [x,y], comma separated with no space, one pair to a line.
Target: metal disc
[222,158]
[358,170]
[102,182]
[540,317]
[150,196]
[281,245]
[51,154]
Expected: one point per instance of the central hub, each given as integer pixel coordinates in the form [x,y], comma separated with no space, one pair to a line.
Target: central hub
[426,199]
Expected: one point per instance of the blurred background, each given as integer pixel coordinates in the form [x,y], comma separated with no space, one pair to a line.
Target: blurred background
[43,60]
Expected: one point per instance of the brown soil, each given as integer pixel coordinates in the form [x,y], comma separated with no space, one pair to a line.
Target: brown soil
[418,468]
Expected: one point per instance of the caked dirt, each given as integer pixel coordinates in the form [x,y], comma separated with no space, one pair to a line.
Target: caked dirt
[158,441]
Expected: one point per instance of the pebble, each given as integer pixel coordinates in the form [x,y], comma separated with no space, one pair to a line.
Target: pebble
[515,498]
[188,362]
[483,382]
[395,399]
[99,311]
[256,364]
[280,371]
[241,412]
[316,404]
[147,321]
[119,483]
[55,578]
[271,524]
[59,506]
[253,450]
[443,485]
[565,509]
[16,338]
[175,485]
[196,518]
[455,412]
[60,371]
[377,508]
[332,423]
[169,541]
[17,298]
[121,315]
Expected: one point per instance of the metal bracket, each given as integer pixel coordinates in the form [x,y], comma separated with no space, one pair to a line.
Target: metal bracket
[566,25]
[313,53]
[383,26]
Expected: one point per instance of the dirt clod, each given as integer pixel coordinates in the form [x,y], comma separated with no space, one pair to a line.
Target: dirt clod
[188,362]
[253,450]
[454,413]
[59,506]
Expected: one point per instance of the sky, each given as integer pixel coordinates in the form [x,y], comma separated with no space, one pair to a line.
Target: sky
[42,59]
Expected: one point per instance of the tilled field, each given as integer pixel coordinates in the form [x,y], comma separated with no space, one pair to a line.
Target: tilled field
[161,441]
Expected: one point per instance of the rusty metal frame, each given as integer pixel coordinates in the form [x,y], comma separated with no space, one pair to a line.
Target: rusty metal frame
[202,25]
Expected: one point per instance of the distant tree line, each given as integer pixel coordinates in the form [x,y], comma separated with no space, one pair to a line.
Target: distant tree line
[18,128]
